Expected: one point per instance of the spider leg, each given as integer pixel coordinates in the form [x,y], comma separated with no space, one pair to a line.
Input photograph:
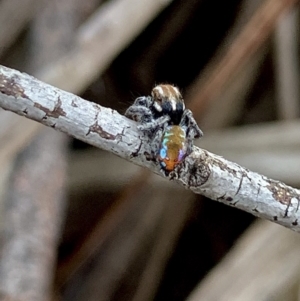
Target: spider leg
[154,123]
[188,121]
[140,110]
[191,127]
[139,113]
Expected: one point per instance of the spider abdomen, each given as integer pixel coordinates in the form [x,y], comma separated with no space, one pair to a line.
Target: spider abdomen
[173,147]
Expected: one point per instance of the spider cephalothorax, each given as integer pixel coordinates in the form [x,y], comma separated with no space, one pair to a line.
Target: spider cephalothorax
[167,100]
[170,126]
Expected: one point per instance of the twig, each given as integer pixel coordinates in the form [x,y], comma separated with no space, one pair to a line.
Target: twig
[91,51]
[202,172]
[36,196]
[260,147]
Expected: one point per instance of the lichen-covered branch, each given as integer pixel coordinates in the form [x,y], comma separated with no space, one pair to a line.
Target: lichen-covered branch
[201,172]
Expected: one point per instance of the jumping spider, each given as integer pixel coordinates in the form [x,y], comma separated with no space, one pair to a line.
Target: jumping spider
[171,127]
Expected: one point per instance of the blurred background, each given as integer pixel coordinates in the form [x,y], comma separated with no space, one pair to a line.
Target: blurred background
[78,223]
